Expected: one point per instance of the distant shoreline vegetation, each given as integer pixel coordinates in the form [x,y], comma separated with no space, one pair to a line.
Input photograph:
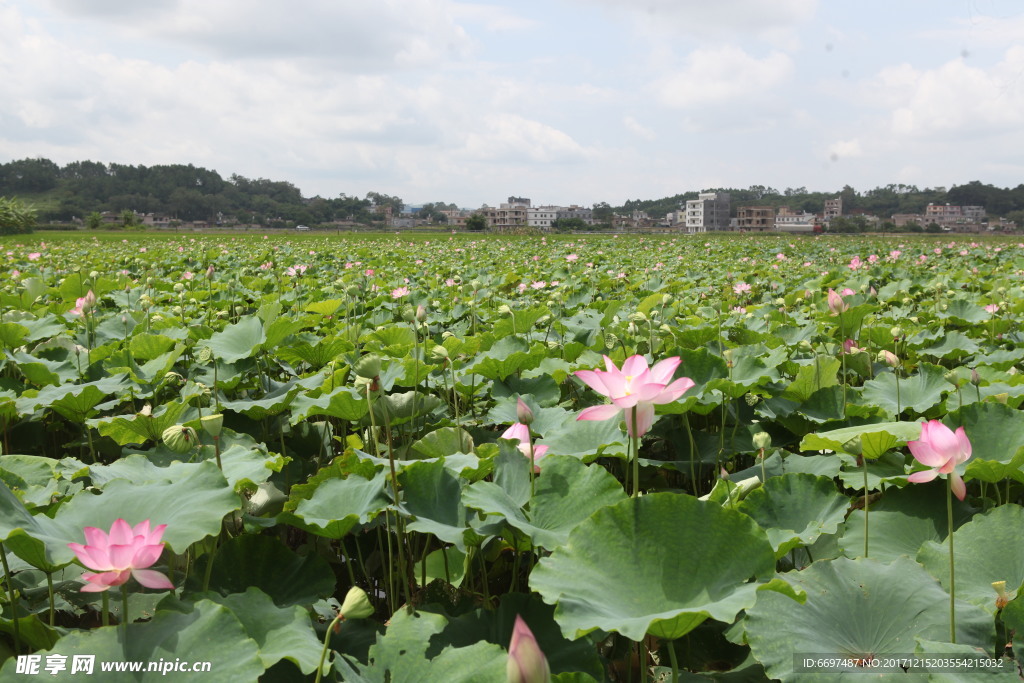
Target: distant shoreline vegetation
[80,191]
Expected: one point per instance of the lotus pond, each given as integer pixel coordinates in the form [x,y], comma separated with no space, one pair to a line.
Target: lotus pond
[461,458]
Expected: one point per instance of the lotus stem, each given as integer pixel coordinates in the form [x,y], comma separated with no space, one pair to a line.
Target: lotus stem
[634,443]
[952,576]
[105,609]
[124,614]
[11,597]
[49,593]
[866,504]
[672,657]
[327,641]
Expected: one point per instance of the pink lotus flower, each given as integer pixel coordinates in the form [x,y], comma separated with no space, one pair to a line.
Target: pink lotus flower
[34,256]
[84,303]
[526,661]
[741,287]
[941,449]
[399,292]
[992,308]
[125,552]
[635,386]
[521,432]
[836,303]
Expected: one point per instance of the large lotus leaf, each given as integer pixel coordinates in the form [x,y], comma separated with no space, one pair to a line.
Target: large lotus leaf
[795,509]
[140,428]
[519,321]
[952,344]
[856,608]
[237,341]
[148,346]
[891,468]
[344,403]
[989,548]
[965,311]
[338,505]
[820,373]
[545,420]
[996,433]
[919,392]
[901,521]
[433,496]
[403,655]
[12,335]
[852,437]
[495,626]
[43,371]
[209,633]
[508,355]
[566,493]
[587,439]
[402,407]
[443,442]
[280,632]
[269,404]
[76,402]
[660,564]
[988,668]
[316,355]
[191,506]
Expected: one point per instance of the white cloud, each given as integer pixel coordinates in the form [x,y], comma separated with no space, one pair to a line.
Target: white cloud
[507,137]
[638,129]
[719,75]
[845,149]
[706,18]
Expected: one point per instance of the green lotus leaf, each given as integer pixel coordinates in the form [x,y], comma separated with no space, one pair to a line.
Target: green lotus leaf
[952,344]
[856,608]
[795,509]
[964,312]
[697,558]
[281,633]
[566,493]
[986,549]
[587,439]
[344,403]
[149,346]
[338,505]
[238,340]
[448,564]
[140,428]
[996,433]
[12,335]
[432,495]
[209,633]
[316,355]
[263,562]
[918,392]
[269,404]
[901,521]
[1002,670]
[42,371]
[508,355]
[76,402]
[837,439]
[405,654]
[820,373]
[444,441]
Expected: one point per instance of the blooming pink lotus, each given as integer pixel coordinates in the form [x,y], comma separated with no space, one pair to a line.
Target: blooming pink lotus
[84,303]
[635,386]
[941,449]
[126,551]
[526,661]
[741,287]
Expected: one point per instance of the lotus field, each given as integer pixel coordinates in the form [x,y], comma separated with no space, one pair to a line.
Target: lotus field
[458,458]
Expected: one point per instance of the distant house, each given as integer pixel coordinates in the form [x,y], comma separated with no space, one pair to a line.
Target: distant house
[755,218]
[710,211]
[788,220]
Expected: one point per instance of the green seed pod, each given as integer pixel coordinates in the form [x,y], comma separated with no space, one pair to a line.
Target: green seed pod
[762,440]
[180,439]
[367,367]
[212,424]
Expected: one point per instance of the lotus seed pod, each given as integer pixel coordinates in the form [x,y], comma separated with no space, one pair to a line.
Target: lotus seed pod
[212,424]
[1002,597]
[179,438]
[368,366]
[178,287]
[239,310]
[93,275]
[176,310]
[896,332]
[762,440]
[666,299]
[357,604]
[637,317]
[438,352]
[205,355]
[504,309]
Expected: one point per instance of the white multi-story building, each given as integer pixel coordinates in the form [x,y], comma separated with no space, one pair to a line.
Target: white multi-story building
[791,221]
[710,211]
[541,217]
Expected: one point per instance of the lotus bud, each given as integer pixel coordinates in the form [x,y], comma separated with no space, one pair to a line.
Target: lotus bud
[1002,597]
[357,604]
[239,310]
[637,317]
[408,314]
[179,438]
[504,309]
[368,367]
[438,352]
[889,358]
[176,310]
[665,328]
[805,345]
[421,313]
[666,299]
[447,334]
[762,440]
[209,273]
[526,661]
[523,412]
[212,424]
[178,287]
[975,377]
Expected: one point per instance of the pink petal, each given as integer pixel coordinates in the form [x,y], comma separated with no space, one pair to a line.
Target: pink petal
[104,580]
[602,412]
[675,390]
[941,438]
[95,537]
[626,401]
[959,488]
[615,385]
[923,476]
[150,578]
[539,452]
[593,380]
[644,420]
[95,558]
[517,431]
[121,555]
[923,452]
[121,533]
[648,392]
[965,445]
[146,556]
[141,529]
[609,365]
[664,369]
[634,365]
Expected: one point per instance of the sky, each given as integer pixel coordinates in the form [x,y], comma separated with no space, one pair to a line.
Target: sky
[562,101]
